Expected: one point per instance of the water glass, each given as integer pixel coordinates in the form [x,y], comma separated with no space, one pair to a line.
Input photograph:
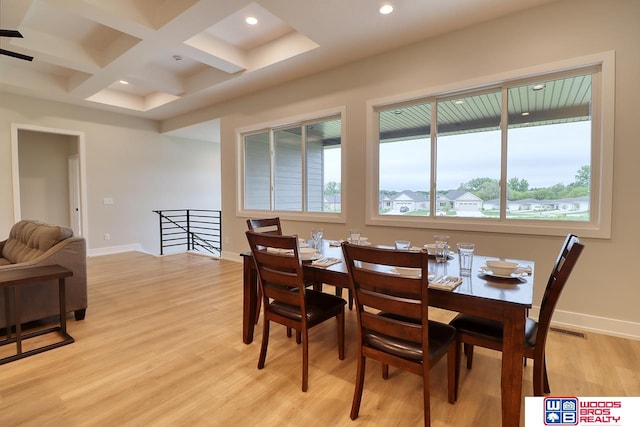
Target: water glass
[316,236]
[402,244]
[442,247]
[465,254]
[354,236]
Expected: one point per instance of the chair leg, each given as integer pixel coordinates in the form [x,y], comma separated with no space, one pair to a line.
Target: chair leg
[340,321]
[288,332]
[540,379]
[305,359]
[357,392]
[298,337]
[385,371]
[547,389]
[468,350]
[265,343]
[453,369]
[426,395]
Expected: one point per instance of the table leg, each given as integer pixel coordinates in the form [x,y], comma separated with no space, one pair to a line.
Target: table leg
[7,311]
[16,310]
[512,365]
[63,306]
[249,299]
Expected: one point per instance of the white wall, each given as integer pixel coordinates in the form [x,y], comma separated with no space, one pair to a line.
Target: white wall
[44,176]
[128,160]
[603,291]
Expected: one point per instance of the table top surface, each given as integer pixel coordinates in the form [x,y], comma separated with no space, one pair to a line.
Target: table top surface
[478,285]
[18,276]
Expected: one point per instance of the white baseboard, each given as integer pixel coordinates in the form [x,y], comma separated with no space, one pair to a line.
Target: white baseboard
[115,250]
[597,324]
[231,256]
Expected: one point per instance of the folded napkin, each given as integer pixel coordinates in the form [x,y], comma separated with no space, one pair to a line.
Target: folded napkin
[524,269]
[326,262]
[336,242]
[280,251]
[446,283]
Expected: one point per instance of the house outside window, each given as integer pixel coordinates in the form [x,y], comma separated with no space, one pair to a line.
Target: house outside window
[508,155]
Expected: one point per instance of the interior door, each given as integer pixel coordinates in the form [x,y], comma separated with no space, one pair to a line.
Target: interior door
[75,214]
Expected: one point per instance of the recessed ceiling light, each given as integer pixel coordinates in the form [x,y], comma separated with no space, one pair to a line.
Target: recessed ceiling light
[251,20]
[538,87]
[526,113]
[459,102]
[124,82]
[386,9]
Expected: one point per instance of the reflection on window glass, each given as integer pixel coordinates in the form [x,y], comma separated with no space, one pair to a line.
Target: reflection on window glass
[549,150]
[257,172]
[321,144]
[404,160]
[288,169]
[468,154]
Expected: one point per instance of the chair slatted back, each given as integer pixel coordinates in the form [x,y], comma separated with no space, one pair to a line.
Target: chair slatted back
[567,258]
[378,290]
[265,225]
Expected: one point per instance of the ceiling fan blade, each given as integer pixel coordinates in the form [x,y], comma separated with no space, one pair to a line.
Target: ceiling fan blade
[10,33]
[16,55]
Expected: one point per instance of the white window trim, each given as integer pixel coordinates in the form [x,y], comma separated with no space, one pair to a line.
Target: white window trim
[601,165]
[329,217]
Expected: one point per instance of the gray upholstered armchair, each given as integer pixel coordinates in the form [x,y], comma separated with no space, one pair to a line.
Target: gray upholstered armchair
[33,243]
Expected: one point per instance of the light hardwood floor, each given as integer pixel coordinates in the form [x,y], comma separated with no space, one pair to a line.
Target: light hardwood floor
[162,346]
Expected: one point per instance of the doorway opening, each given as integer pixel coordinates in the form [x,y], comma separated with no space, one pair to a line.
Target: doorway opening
[49,176]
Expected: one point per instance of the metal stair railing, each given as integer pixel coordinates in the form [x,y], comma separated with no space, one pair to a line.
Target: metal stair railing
[196,229]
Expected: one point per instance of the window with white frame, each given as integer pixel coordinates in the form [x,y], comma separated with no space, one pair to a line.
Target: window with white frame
[294,168]
[516,154]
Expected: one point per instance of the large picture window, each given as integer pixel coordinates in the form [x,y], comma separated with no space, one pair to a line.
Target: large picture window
[519,153]
[294,168]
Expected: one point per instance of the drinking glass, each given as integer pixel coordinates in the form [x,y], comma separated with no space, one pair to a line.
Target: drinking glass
[465,254]
[442,247]
[354,236]
[316,236]
[402,244]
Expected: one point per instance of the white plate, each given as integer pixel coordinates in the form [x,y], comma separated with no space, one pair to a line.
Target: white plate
[488,272]
[310,256]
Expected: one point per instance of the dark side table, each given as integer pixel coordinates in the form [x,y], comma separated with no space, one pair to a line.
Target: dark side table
[10,282]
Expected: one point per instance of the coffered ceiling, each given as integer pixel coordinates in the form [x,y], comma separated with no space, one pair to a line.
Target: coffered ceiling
[181,55]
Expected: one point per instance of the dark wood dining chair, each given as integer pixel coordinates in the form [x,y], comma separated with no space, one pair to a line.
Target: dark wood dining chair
[487,333]
[393,318]
[265,225]
[286,299]
[271,226]
[268,226]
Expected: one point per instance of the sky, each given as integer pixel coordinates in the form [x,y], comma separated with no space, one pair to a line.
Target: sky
[543,155]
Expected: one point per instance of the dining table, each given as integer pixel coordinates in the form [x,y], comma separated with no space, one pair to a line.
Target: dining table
[480,294]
